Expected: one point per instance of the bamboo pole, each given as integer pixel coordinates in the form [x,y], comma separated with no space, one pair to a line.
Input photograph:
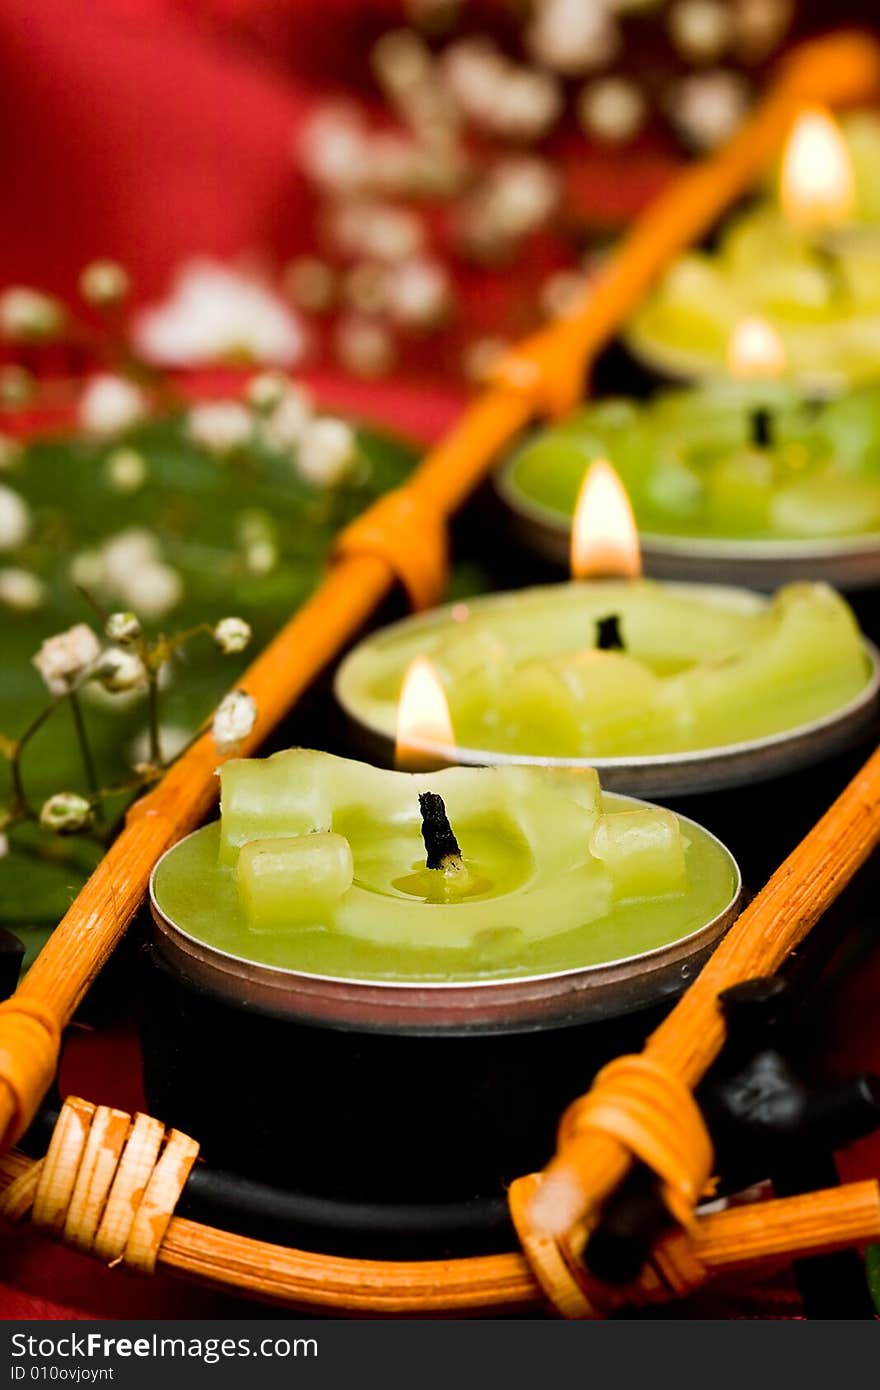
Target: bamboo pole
[587,1167]
[489,1285]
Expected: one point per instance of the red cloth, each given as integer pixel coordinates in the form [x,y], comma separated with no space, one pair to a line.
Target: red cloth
[154,130]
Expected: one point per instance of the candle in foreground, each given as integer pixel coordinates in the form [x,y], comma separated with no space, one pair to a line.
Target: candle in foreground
[806,257]
[332,867]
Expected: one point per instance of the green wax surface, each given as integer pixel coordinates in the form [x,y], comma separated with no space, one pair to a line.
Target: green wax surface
[703,667]
[690,466]
[821,290]
[199,894]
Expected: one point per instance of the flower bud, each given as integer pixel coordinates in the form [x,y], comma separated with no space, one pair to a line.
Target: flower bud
[232,635]
[120,670]
[234,720]
[65,813]
[29,316]
[64,658]
[104,282]
[125,470]
[123,628]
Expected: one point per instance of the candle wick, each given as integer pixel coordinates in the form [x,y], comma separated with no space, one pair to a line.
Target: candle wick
[609,638]
[441,846]
[829,261]
[761,427]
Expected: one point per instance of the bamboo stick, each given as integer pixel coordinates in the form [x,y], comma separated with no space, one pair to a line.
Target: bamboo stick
[588,1167]
[490,1285]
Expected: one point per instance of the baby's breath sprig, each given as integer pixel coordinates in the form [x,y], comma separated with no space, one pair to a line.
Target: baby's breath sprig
[126,660]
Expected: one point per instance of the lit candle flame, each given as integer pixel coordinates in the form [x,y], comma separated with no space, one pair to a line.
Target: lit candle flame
[423,718]
[604,537]
[755,351]
[817,188]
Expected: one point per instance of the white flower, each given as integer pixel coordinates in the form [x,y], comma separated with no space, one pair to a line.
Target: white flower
[21,590]
[529,104]
[65,813]
[216,313]
[267,390]
[15,519]
[261,557]
[327,452]
[129,566]
[419,293]
[611,108]
[110,405]
[377,231]
[474,70]
[707,107]
[220,427]
[87,570]
[62,659]
[123,628]
[232,635]
[520,195]
[234,719]
[153,590]
[4,845]
[125,470]
[333,147]
[126,552]
[120,670]
[10,452]
[104,282]
[173,738]
[571,36]
[701,29]
[284,427]
[28,315]
[364,346]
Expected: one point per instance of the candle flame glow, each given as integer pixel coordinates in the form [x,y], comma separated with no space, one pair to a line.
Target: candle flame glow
[604,537]
[422,717]
[817,188]
[755,351]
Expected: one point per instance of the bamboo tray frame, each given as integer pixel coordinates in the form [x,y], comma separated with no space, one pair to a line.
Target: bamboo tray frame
[402,539]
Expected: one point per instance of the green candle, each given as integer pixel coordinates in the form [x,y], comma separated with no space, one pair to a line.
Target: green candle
[321,864]
[734,460]
[701,667]
[809,261]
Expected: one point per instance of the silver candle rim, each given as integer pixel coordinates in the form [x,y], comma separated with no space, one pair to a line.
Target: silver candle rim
[848,562]
[652,774]
[402,1003]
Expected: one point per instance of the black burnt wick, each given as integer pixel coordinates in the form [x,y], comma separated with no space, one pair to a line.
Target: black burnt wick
[441,846]
[761,427]
[609,638]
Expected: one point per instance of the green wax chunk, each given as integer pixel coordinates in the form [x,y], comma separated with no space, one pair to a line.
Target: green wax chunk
[691,466]
[634,843]
[556,874]
[293,878]
[704,667]
[267,806]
